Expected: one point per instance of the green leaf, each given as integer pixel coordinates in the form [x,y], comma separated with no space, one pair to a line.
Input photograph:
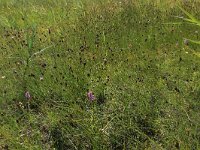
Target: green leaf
[191,18]
[193,41]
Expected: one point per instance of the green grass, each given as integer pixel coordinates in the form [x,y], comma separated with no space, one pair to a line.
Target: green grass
[130,54]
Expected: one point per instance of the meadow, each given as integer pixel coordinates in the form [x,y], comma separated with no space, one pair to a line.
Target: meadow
[132,56]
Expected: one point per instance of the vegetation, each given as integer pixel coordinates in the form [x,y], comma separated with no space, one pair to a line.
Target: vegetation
[99,74]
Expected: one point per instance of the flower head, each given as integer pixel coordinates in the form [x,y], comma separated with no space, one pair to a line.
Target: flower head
[27,95]
[90,96]
[41,78]
[186,41]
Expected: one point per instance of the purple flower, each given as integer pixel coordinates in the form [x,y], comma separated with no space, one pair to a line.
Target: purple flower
[90,96]
[27,95]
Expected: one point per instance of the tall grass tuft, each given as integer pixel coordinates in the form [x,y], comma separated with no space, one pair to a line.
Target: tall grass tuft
[194,21]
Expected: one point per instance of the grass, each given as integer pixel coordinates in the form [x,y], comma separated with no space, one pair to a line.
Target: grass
[128,53]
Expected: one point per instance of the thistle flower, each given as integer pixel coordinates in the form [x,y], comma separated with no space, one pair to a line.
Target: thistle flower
[27,95]
[90,96]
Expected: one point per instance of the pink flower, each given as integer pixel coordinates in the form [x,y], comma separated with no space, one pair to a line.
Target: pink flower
[27,95]
[90,96]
